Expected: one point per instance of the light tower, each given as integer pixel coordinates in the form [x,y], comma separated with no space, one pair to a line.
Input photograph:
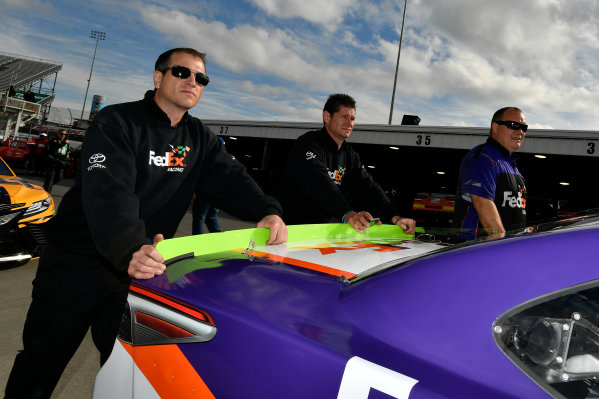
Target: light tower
[397,65]
[98,36]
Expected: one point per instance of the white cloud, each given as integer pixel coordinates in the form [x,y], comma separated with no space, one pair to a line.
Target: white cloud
[528,54]
[328,13]
[242,49]
[248,50]
[38,5]
[266,90]
[464,52]
[460,60]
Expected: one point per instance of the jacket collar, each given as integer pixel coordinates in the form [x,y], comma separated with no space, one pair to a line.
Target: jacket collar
[502,150]
[328,140]
[158,113]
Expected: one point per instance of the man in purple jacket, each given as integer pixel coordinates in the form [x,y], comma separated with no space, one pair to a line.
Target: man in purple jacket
[491,193]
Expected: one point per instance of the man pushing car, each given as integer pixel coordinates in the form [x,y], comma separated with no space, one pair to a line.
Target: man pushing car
[141,164]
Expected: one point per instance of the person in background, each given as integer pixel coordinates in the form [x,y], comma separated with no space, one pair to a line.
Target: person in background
[324,178]
[141,163]
[29,96]
[491,196]
[57,152]
[40,154]
[30,156]
[204,213]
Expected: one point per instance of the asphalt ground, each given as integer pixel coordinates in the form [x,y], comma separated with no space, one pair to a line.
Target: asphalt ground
[15,286]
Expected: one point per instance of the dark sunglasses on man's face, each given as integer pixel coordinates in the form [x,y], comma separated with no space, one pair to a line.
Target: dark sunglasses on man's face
[512,125]
[183,72]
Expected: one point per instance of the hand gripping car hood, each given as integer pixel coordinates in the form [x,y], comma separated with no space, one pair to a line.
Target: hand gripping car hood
[430,318]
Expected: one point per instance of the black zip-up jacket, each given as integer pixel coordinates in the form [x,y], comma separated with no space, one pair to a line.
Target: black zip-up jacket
[321,182]
[137,177]
[57,149]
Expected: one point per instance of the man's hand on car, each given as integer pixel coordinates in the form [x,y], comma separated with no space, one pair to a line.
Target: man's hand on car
[147,262]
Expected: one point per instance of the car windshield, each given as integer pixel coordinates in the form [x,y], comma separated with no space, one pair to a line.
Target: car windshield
[446,239]
[4,170]
[449,235]
[589,217]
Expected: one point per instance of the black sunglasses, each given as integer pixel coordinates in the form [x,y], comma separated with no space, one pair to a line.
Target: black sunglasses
[512,125]
[183,72]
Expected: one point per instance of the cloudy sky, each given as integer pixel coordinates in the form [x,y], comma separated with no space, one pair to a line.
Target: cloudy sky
[277,60]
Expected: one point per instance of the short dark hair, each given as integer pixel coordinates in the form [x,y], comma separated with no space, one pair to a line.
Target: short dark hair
[335,101]
[498,115]
[163,60]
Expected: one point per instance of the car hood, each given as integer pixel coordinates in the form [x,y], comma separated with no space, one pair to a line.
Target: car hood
[21,191]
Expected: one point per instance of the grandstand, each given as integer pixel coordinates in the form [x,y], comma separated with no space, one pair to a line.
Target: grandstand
[25,73]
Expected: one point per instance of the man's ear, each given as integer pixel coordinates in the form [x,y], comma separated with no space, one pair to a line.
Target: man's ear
[493,133]
[326,117]
[157,79]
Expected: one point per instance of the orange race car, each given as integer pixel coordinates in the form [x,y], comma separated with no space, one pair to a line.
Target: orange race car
[24,208]
[433,209]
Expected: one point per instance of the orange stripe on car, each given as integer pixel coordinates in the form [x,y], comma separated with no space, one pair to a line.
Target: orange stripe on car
[304,264]
[169,371]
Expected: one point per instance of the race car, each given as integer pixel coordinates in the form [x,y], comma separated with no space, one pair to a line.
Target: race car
[433,209]
[338,314]
[24,208]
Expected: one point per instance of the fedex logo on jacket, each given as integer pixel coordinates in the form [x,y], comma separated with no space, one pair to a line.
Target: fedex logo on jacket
[337,175]
[513,201]
[173,159]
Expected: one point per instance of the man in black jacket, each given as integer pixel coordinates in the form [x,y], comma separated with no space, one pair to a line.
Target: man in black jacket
[325,180]
[141,164]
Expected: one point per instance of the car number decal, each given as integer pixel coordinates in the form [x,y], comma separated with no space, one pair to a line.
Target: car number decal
[360,376]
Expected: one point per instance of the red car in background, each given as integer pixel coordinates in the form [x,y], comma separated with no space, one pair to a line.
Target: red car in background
[19,152]
[15,151]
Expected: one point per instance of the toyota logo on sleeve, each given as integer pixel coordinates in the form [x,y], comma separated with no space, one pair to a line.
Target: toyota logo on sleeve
[97,158]
[95,162]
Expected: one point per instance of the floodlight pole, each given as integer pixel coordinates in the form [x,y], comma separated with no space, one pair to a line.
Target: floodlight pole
[98,36]
[71,115]
[397,65]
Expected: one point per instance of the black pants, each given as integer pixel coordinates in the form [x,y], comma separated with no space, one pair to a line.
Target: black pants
[54,171]
[40,164]
[68,299]
[30,162]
